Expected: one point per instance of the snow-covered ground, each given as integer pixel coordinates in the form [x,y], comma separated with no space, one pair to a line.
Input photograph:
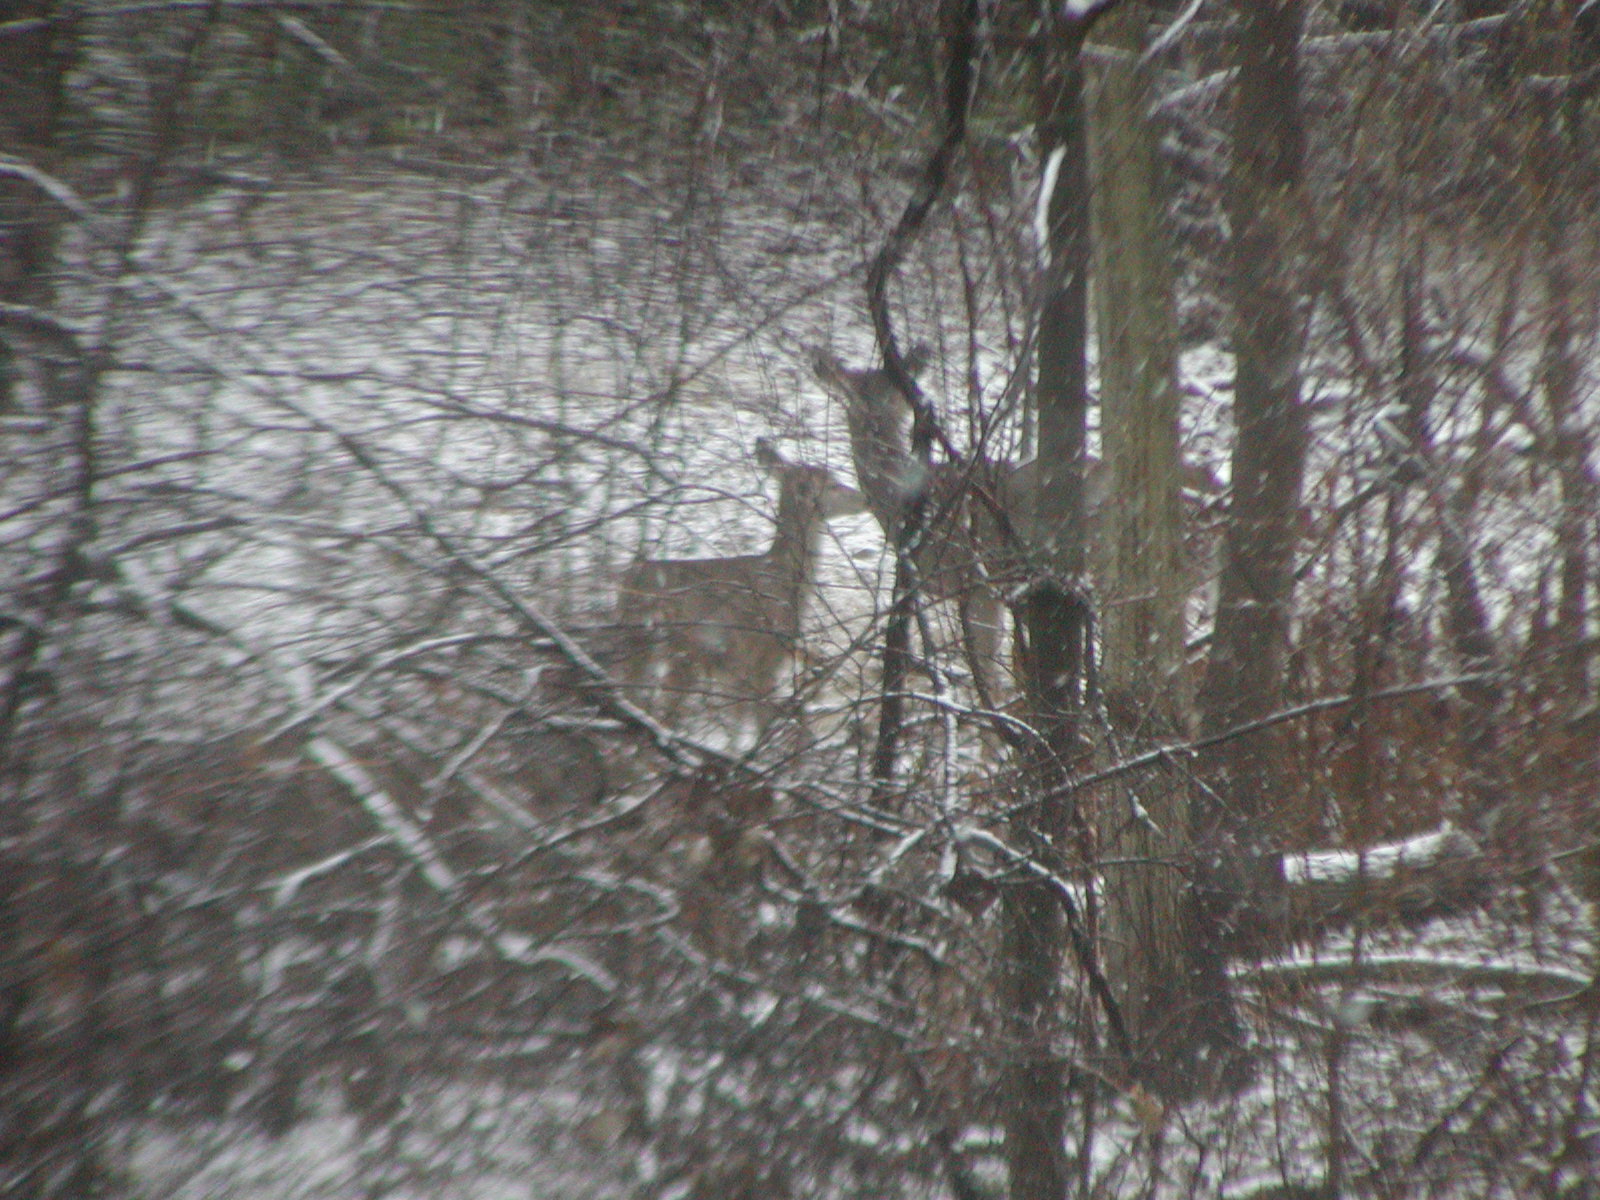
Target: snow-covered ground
[343,401]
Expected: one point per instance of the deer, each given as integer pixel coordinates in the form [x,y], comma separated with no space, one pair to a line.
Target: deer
[966,548]
[733,622]
[973,546]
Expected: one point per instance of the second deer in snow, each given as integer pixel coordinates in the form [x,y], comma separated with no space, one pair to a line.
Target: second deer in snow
[724,628]
[965,551]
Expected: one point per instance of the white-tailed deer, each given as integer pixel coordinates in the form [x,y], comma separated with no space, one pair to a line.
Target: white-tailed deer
[968,554]
[965,550]
[725,627]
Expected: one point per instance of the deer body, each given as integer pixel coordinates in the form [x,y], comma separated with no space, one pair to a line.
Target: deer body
[965,545]
[731,624]
[968,550]
[876,414]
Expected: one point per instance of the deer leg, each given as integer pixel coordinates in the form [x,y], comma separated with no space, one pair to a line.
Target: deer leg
[979,613]
[675,683]
[631,654]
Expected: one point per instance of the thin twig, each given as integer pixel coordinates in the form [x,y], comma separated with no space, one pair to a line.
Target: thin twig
[1184,750]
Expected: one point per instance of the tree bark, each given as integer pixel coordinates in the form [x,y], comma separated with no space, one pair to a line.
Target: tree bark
[1245,674]
[1561,372]
[1055,630]
[35,59]
[1147,925]
[958,84]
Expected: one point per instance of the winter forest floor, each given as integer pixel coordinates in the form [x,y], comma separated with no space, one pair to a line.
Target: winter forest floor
[353,853]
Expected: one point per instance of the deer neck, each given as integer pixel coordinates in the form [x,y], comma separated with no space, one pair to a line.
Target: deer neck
[793,556]
[882,461]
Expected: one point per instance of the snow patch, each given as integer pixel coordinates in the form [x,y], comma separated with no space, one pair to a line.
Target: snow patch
[1380,861]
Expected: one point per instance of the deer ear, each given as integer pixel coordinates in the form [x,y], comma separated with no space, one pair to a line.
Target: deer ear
[767,455]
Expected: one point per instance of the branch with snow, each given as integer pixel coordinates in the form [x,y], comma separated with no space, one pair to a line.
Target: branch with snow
[414,843]
[1180,752]
[1086,12]
[57,190]
[1344,867]
[1522,980]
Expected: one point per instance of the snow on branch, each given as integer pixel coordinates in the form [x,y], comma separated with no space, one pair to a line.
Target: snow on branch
[1382,861]
[1076,930]
[332,697]
[415,844]
[302,33]
[1084,11]
[1179,752]
[58,191]
[1511,978]
[290,883]
[1169,36]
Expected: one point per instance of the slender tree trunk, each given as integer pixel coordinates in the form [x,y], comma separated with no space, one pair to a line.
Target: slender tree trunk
[34,63]
[1147,925]
[1561,380]
[962,23]
[1245,674]
[1055,631]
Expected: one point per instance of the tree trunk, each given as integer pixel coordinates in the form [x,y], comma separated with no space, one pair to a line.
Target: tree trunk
[1146,920]
[1466,614]
[1245,674]
[34,62]
[1561,372]
[1055,631]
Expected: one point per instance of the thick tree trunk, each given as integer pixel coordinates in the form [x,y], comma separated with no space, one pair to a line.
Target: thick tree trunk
[1146,923]
[1244,678]
[1139,536]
